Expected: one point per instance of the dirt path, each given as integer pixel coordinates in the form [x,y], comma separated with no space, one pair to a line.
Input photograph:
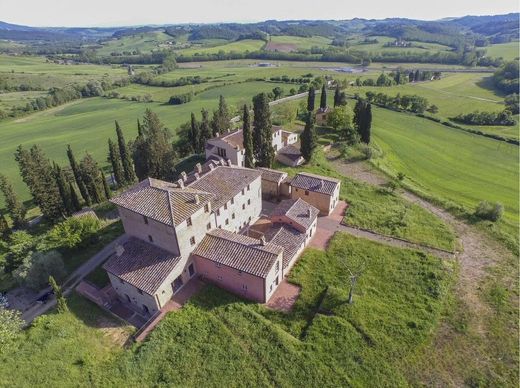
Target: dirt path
[478,253]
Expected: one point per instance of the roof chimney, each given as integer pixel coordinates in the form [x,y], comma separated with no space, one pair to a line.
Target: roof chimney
[262,240]
[180,182]
[197,176]
[197,199]
[119,250]
[322,183]
[198,168]
[184,176]
[217,134]
[211,166]
[309,212]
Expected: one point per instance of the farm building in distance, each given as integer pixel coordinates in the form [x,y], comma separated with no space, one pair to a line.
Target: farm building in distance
[199,226]
[230,145]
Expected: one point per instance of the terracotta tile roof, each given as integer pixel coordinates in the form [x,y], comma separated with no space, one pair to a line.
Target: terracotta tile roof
[287,237]
[317,183]
[225,182]
[271,175]
[236,138]
[291,152]
[142,265]
[237,251]
[298,211]
[162,201]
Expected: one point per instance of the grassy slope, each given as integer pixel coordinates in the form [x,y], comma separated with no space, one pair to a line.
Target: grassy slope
[238,46]
[302,43]
[386,213]
[508,51]
[455,93]
[145,43]
[421,47]
[448,163]
[235,343]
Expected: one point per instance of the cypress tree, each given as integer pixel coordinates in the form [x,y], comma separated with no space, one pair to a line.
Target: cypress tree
[139,129]
[74,200]
[37,173]
[363,119]
[90,175]
[115,161]
[63,190]
[106,189]
[263,137]
[194,133]
[61,303]
[153,152]
[221,117]
[205,130]
[4,226]
[77,176]
[308,138]
[336,96]
[13,205]
[311,96]
[124,153]
[323,97]
[248,138]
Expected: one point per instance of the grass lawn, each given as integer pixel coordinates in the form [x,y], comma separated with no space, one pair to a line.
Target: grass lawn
[65,349]
[448,164]
[236,343]
[383,212]
[302,43]
[508,51]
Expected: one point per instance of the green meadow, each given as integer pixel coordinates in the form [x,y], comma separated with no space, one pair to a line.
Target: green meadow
[447,163]
[300,42]
[145,43]
[508,51]
[417,47]
[238,46]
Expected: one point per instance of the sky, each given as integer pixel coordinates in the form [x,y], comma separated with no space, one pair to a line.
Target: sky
[132,12]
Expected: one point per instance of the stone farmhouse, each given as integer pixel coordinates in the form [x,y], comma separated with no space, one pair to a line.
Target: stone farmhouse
[230,145]
[200,226]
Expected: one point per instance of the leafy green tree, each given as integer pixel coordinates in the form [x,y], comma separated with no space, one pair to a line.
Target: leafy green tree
[512,103]
[77,176]
[106,189]
[14,206]
[139,129]
[73,232]
[90,175]
[153,152]
[10,326]
[308,138]
[311,96]
[61,303]
[18,247]
[323,97]
[36,269]
[74,198]
[248,138]
[262,135]
[205,130]
[115,161]
[126,159]
[37,173]
[433,109]
[277,92]
[363,119]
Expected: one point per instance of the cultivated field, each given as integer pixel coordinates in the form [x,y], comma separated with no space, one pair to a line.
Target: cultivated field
[145,43]
[417,47]
[239,46]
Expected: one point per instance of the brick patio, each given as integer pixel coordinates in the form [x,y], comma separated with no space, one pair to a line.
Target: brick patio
[284,297]
[328,225]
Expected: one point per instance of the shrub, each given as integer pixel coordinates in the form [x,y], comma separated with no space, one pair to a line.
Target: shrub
[73,232]
[367,151]
[36,269]
[180,99]
[489,211]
